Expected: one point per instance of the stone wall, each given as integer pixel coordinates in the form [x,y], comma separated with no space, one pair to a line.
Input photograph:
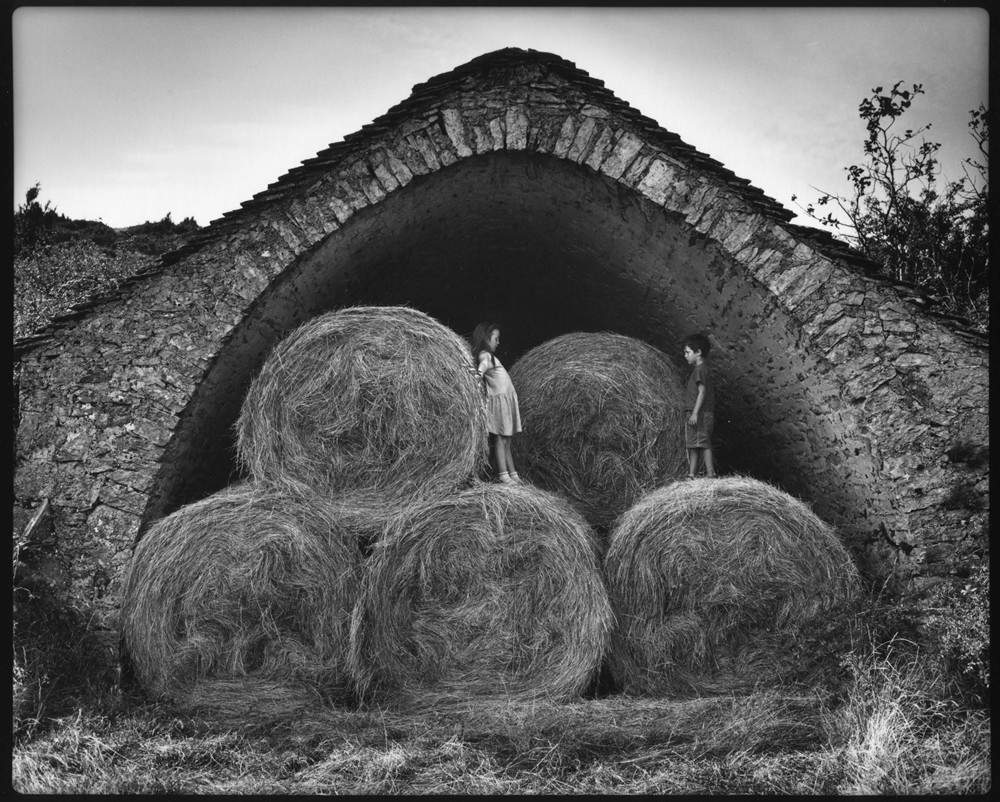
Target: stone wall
[515,187]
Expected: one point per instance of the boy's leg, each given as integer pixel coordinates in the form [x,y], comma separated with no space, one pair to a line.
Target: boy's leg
[692,462]
[709,463]
[708,423]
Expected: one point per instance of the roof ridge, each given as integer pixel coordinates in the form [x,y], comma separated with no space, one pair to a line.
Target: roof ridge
[670,142]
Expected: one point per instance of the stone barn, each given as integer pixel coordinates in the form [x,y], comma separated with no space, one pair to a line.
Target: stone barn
[515,187]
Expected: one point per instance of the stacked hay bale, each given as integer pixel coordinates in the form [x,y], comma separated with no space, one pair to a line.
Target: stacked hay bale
[603,420]
[711,581]
[365,430]
[253,584]
[373,402]
[242,600]
[493,591]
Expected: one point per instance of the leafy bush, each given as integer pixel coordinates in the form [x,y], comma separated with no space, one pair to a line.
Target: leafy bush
[60,664]
[66,230]
[903,215]
[958,625]
[154,239]
[33,222]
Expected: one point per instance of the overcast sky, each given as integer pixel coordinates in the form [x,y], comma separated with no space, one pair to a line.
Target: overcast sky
[126,114]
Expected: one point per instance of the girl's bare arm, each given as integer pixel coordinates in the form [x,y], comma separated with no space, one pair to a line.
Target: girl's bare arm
[484,362]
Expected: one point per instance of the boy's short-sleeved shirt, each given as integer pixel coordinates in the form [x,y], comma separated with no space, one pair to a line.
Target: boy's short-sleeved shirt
[701,374]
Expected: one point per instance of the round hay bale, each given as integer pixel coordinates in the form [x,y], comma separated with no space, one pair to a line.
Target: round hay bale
[711,580]
[377,401]
[493,592]
[603,421]
[252,581]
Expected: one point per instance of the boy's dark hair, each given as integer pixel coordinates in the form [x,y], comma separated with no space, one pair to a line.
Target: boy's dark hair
[699,342]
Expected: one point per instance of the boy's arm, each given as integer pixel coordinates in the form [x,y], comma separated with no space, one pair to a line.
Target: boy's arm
[697,404]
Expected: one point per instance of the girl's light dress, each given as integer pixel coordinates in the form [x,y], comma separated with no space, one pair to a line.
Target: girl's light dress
[503,414]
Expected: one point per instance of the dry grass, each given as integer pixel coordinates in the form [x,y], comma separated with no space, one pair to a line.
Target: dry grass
[495,590]
[901,730]
[712,580]
[603,420]
[613,745]
[369,401]
[248,590]
[885,723]
[762,743]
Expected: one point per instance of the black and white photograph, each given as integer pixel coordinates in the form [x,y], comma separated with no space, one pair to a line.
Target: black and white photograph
[516,400]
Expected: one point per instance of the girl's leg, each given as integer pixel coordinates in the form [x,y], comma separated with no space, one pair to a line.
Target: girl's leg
[508,446]
[501,454]
[709,462]
[494,453]
[692,462]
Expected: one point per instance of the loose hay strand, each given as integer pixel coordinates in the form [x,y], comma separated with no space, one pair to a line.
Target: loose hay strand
[604,420]
[494,591]
[253,581]
[371,401]
[712,580]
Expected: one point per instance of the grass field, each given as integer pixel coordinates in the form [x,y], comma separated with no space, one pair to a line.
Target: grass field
[885,717]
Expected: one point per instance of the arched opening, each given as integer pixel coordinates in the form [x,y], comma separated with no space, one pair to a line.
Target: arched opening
[544,246]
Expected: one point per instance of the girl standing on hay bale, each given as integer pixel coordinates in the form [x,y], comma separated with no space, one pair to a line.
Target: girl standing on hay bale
[504,415]
[699,406]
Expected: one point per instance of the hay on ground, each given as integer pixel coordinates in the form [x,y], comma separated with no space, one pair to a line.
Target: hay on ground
[712,580]
[253,582]
[369,401]
[250,703]
[493,592]
[603,421]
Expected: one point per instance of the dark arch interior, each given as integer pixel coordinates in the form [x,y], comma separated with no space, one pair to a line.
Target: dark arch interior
[545,247]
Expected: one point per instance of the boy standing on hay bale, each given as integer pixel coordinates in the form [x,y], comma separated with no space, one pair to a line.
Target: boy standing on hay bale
[699,406]
[503,413]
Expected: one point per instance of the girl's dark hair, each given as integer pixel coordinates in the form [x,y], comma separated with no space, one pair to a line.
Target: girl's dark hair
[699,342]
[480,336]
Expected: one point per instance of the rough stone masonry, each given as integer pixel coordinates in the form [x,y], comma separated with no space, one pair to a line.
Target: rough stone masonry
[519,188]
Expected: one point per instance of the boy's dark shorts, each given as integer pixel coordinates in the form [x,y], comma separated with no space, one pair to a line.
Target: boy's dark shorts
[699,436]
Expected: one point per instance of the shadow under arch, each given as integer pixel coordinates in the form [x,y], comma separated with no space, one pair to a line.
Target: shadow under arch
[545,246]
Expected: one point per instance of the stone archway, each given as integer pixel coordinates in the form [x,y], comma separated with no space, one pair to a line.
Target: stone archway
[515,187]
